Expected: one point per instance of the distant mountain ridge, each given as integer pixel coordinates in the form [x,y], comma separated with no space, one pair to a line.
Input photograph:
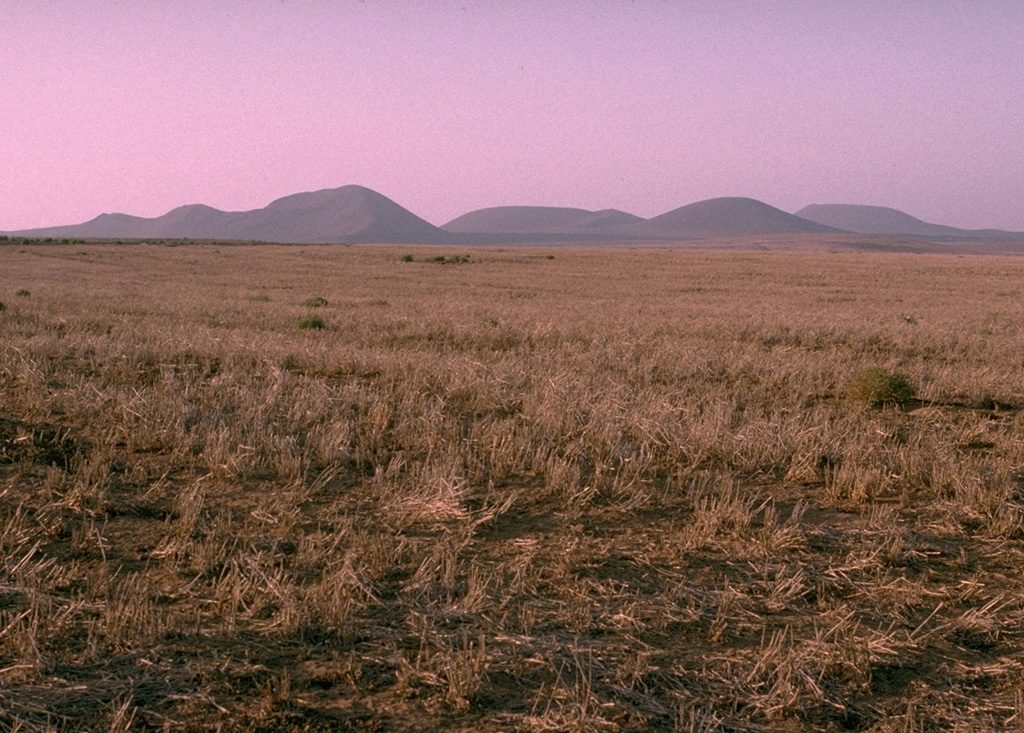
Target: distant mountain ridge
[357,215]
[538,219]
[883,220]
[729,217]
[720,217]
[350,214]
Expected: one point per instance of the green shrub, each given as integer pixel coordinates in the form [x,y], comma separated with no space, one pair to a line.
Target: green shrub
[406,258]
[316,302]
[877,387]
[2,305]
[311,322]
[23,293]
[453,260]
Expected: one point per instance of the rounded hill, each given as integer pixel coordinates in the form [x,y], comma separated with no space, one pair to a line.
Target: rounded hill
[874,220]
[727,217]
[348,214]
[537,220]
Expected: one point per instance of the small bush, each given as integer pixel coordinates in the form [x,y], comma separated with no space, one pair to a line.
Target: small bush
[316,302]
[23,293]
[877,387]
[406,258]
[453,260]
[312,322]
[2,306]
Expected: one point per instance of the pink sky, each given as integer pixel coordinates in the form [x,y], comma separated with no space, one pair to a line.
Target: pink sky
[140,106]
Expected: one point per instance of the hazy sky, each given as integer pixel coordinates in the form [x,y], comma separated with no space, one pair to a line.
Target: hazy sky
[140,106]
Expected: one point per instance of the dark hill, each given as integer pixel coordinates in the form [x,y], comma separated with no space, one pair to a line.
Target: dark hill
[348,214]
[608,219]
[726,217]
[539,220]
[891,222]
[872,220]
[354,214]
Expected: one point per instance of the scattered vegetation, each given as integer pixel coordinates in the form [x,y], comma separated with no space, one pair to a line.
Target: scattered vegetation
[311,321]
[623,492]
[407,258]
[878,387]
[315,302]
[22,293]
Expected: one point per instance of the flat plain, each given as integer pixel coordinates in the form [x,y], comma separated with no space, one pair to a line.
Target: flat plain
[527,489]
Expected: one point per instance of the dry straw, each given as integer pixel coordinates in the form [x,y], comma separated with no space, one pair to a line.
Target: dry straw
[578,490]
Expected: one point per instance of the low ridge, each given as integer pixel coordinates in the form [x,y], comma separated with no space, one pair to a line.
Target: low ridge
[537,220]
[890,222]
[356,214]
[350,214]
[727,217]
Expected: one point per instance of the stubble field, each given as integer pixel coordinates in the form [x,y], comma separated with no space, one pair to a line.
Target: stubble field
[519,490]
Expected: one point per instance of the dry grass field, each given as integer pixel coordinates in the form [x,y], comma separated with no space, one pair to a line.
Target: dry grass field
[520,490]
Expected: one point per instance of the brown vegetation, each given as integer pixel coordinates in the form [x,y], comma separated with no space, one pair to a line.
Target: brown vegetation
[593,490]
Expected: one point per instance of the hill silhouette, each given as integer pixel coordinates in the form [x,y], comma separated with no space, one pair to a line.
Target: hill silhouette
[347,214]
[350,214]
[539,220]
[890,222]
[721,217]
[726,217]
[357,215]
